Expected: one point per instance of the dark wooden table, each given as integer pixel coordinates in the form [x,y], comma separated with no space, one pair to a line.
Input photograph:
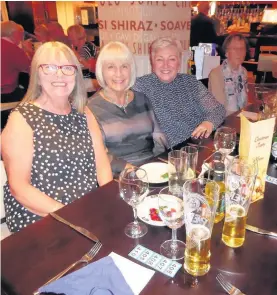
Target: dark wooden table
[34,255]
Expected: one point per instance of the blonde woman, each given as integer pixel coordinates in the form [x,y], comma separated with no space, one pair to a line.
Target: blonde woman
[183,106]
[52,146]
[128,125]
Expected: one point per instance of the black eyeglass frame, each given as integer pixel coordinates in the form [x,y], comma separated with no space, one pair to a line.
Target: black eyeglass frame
[59,67]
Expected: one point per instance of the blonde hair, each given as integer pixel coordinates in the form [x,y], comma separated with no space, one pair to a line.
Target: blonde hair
[115,50]
[78,97]
[165,42]
[76,29]
[9,27]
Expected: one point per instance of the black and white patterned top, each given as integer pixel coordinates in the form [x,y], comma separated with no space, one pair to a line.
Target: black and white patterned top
[181,105]
[63,165]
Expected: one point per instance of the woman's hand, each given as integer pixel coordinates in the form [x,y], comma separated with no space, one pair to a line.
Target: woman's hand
[203,130]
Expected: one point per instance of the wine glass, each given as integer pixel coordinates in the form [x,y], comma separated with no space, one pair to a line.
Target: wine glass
[171,211]
[225,140]
[133,188]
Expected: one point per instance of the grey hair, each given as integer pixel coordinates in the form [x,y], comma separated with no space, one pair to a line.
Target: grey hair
[165,42]
[9,27]
[115,50]
[78,97]
[231,37]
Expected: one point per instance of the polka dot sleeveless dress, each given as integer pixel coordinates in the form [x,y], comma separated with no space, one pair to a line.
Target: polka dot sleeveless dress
[63,164]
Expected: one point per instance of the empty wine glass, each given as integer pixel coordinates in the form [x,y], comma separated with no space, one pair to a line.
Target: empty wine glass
[134,187]
[225,140]
[171,211]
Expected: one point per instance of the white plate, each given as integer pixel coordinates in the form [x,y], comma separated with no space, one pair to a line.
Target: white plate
[155,171]
[144,210]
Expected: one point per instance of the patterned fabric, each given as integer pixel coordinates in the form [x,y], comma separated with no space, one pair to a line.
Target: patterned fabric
[132,136]
[63,165]
[235,87]
[181,105]
[88,51]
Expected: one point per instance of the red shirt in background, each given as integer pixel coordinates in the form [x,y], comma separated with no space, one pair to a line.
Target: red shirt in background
[13,61]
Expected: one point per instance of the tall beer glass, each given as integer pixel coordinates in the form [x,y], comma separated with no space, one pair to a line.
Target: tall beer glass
[240,182]
[200,209]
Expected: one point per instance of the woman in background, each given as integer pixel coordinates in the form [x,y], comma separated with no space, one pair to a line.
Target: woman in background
[228,82]
[128,125]
[51,146]
[182,105]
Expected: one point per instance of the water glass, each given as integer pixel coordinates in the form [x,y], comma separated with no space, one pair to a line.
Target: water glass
[171,211]
[240,180]
[133,188]
[181,167]
[200,199]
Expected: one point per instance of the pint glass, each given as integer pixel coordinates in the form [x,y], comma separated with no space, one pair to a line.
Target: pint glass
[240,182]
[200,211]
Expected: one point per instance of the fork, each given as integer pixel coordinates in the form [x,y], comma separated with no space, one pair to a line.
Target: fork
[228,287]
[84,259]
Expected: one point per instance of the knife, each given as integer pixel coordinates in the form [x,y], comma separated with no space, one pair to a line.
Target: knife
[79,229]
[260,231]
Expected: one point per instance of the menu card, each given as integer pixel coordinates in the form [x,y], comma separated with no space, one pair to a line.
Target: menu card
[255,144]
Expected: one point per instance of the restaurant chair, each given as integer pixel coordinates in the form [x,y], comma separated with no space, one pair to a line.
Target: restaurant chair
[4,229]
[268,54]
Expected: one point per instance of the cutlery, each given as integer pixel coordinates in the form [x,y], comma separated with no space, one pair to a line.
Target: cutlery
[200,146]
[228,287]
[163,160]
[79,229]
[84,259]
[260,231]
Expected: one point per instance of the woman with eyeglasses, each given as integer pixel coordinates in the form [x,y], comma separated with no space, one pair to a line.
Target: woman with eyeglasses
[51,146]
[228,82]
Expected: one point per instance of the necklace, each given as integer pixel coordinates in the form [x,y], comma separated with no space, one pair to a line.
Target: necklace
[123,106]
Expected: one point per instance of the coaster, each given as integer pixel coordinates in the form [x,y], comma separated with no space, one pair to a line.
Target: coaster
[271,179]
[155,260]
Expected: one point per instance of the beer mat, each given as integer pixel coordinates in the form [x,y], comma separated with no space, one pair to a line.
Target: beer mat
[271,179]
[160,263]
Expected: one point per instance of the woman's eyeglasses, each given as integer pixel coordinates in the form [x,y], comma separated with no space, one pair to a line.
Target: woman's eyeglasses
[67,70]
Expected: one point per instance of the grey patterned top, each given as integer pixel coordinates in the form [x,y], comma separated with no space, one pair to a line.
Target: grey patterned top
[63,165]
[181,105]
[132,136]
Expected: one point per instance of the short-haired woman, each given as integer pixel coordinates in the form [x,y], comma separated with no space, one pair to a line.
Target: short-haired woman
[128,125]
[228,82]
[86,53]
[182,105]
[52,146]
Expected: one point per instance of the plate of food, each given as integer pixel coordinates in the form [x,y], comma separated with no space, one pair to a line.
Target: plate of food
[148,211]
[157,172]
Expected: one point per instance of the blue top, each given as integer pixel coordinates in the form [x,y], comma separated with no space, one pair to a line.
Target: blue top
[181,105]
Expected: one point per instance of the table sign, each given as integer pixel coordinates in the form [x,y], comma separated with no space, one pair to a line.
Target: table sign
[155,260]
[255,143]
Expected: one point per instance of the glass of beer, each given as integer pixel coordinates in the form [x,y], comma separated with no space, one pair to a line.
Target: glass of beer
[240,182]
[200,199]
[181,167]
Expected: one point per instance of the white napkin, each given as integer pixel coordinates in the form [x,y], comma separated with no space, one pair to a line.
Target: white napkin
[135,275]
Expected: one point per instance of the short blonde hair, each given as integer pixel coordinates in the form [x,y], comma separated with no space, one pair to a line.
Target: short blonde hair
[78,97]
[9,27]
[76,29]
[115,50]
[165,42]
